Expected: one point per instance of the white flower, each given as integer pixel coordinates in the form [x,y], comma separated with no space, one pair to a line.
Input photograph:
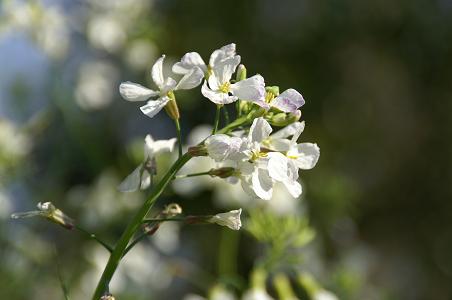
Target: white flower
[219,89]
[230,219]
[140,178]
[194,60]
[135,92]
[324,295]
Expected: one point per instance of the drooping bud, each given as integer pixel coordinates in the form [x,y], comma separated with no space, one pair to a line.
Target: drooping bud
[171,107]
[229,219]
[48,211]
[224,172]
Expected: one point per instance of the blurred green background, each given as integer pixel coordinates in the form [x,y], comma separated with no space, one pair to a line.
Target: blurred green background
[376,76]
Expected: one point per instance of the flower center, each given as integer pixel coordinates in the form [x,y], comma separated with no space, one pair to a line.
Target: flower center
[225,87]
[269,97]
[256,155]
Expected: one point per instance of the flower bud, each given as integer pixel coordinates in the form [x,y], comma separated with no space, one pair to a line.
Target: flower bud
[282,119]
[241,73]
[48,211]
[199,150]
[224,172]
[229,219]
[107,297]
[272,89]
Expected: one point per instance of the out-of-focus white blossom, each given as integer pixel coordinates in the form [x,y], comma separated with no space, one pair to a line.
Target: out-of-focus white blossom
[14,146]
[139,53]
[140,178]
[96,85]
[46,25]
[106,32]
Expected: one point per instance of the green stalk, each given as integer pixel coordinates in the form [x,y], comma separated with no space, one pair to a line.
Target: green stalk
[217,119]
[179,136]
[133,226]
[192,175]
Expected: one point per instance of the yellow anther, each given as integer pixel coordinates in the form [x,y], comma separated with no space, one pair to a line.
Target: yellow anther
[225,87]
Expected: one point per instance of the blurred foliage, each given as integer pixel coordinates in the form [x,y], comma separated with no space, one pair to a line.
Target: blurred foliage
[376,76]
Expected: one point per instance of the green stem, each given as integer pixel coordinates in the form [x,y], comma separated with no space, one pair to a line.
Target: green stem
[217,119]
[179,136]
[192,175]
[134,242]
[94,237]
[133,226]
[163,220]
[226,115]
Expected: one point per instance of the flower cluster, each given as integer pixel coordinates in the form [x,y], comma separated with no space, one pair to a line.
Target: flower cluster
[218,86]
[261,159]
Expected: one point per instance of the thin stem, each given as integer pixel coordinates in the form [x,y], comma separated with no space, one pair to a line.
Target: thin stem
[60,276]
[217,119]
[192,175]
[133,226]
[94,237]
[163,220]
[179,136]
[226,114]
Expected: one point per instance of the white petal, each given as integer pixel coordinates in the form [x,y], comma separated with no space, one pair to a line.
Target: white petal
[163,146]
[251,89]
[260,130]
[289,101]
[221,54]
[293,187]
[230,219]
[168,85]
[217,97]
[298,132]
[221,146]
[277,166]
[224,69]
[262,184]
[157,72]
[132,182]
[289,130]
[305,155]
[188,62]
[135,92]
[191,79]
[154,106]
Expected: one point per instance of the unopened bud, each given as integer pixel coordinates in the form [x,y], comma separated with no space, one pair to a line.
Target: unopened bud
[224,172]
[272,89]
[283,119]
[241,73]
[199,150]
